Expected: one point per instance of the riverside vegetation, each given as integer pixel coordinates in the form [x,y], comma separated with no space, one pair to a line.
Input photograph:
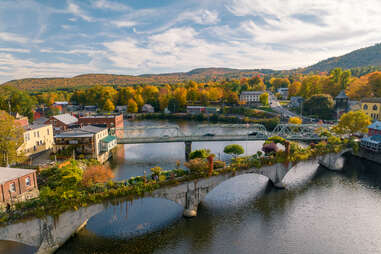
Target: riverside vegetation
[71,185]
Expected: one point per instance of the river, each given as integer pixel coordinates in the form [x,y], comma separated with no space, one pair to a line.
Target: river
[319,212]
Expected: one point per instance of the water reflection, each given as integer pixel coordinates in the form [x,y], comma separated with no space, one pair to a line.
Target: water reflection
[333,213]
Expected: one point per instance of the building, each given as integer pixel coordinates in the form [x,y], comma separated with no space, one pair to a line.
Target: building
[296,101]
[121,109]
[283,91]
[109,121]
[341,104]
[17,185]
[62,122]
[37,138]
[23,121]
[374,129]
[90,108]
[372,143]
[202,109]
[147,108]
[89,142]
[251,97]
[372,107]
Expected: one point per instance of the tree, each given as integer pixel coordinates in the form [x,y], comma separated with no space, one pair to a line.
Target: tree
[234,150]
[359,88]
[375,83]
[108,106]
[310,86]
[279,82]
[201,153]
[256,84]
[180,96]
[264,99]
[204,97]
[294,88]
[231,98]
[17,101]
[132,107]
[295,120]
[11,138]
[353,122]
[320,105]
[96,174]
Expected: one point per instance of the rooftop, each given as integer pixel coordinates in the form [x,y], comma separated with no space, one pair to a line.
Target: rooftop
[108,139]
[376,126]
[376,139]
[341,95]
[252,92]
[377,100]
[35,126]
[66,118]
[84,132]
[7,174]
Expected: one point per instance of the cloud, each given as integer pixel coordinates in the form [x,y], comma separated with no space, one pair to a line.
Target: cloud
[105,4]
[202,17]
[14,50]
[77,11]
[12,37]
[122,23]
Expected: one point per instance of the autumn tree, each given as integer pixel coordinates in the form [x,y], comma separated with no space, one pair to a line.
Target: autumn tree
[126,93]
[108,105]
[359,88]
[353,122]
[204,97]
[375,84]
[139,101]
[231,98]
[295,120]
[279,82]
[256,84]
[264,99]
[294,88]
[11,140]
[180,98]
[96,174]
[310,86]
[132,107]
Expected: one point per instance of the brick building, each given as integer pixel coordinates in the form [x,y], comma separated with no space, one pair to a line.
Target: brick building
[109,121]
[62,122]
[17,185]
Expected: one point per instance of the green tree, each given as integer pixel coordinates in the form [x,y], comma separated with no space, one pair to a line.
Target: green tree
[264,99]
[201,153]
[14,100]
[353,122]
[234,150]
[375,83]
[11,140]
[320,105]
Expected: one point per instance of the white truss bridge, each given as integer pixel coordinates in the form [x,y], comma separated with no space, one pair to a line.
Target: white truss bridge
[216,132]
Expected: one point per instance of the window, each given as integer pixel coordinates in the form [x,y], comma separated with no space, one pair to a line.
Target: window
[365,107]
[48,131]
[375,107]
[12,187]
[27,181]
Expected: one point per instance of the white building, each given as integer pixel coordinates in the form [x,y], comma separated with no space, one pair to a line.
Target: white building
[250,97]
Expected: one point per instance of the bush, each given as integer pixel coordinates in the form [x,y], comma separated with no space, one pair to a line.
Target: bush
[234,149]
[201,153]
[219,164]
[198,166]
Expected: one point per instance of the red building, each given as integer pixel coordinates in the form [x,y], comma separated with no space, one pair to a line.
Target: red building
[109,121]
[374,129]
[17,185]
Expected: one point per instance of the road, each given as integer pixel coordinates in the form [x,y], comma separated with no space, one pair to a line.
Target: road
[275,105]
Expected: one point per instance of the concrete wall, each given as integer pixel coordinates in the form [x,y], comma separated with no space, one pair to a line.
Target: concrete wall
[48,234]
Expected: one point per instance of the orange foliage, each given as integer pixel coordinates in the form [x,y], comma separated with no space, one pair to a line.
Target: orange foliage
[96,174]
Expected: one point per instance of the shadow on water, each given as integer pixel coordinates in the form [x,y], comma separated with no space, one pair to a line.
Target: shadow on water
[10,247]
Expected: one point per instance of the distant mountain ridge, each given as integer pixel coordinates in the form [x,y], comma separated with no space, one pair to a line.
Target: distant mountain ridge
[369,56]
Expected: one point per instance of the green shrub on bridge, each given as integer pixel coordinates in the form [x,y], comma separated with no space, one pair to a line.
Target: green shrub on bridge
[200,153]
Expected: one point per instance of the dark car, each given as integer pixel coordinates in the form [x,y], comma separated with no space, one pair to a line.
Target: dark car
[254,133]
[209,135]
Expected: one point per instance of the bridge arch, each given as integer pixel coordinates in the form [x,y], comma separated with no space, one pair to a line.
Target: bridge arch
[334,161]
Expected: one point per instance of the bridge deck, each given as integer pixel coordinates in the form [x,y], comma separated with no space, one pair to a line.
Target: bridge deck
[144,140]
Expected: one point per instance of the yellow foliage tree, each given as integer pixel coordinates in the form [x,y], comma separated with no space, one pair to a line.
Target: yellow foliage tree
[353,122]
[132,107]
[108,106]
[295,120]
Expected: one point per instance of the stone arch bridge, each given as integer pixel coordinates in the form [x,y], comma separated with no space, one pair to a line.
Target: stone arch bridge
[48,234]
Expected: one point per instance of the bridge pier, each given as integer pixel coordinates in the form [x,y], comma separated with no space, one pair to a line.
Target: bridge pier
[188,149]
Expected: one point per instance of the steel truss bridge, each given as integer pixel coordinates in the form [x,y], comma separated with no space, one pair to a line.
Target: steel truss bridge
[216,132]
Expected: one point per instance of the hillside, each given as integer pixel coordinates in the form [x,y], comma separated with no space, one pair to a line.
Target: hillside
[369,56]
[86,80]
[358,60]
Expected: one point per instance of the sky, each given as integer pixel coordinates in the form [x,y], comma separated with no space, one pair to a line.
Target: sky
[64,38]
